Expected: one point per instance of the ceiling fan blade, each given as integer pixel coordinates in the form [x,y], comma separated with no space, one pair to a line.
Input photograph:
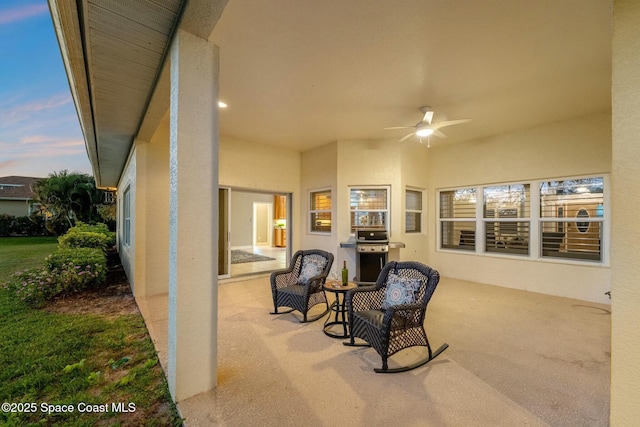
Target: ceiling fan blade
[406,136]
[428,116]
[439,134]
[400,127]
[449,123]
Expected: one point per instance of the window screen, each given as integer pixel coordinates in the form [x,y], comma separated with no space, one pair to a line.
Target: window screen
[320,211]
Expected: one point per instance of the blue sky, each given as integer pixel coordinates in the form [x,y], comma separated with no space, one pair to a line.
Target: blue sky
[39,128]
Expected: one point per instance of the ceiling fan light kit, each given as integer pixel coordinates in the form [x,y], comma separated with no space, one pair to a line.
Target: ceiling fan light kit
[425,127]
[425,131]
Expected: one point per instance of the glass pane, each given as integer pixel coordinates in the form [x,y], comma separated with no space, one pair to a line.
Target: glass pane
[459,203]
[368,199]
[565,199]
[321,201]
[507,201]
[507,237]
[413,222]
[364,219]
[458,235]
[321,221]
[572,240]
[414,200]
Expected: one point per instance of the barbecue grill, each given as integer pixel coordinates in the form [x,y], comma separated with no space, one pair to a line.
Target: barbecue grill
[372,251]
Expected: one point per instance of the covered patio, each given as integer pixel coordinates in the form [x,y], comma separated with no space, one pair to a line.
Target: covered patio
[515,358]
[552,89]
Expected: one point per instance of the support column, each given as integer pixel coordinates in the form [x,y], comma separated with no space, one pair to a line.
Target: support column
[193,225]
[625,205]
[139,277]
[152,216]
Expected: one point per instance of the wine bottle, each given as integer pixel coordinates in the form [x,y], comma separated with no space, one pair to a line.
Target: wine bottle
[345,274]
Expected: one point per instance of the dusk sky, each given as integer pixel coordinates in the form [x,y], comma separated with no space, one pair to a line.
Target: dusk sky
[39,128]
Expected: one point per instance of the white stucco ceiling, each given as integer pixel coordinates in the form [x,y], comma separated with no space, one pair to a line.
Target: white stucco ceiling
[303,73]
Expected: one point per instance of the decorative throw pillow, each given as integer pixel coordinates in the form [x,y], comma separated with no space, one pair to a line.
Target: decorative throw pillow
[400,290]
[311,267]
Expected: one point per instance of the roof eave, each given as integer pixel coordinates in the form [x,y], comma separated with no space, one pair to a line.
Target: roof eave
[66,24]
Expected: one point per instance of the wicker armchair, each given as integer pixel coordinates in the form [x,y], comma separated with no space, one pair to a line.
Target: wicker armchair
[389,315]
[301,285]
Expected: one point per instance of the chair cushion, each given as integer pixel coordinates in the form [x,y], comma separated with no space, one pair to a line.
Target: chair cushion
[293,289]
[373,317]
[311,267]
[400,290]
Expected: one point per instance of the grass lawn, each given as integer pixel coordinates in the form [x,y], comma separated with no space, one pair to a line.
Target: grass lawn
[63,367]
[23,252]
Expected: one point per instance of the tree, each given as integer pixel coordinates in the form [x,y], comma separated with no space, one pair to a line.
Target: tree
[68,198]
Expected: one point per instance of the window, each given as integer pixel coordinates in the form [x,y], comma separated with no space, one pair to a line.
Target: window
[413,211]
[320,211]
[369,207]
[109,197]
[35,208]
[457,217]
[559,219]
[126,213]
[571,218]
[506,218]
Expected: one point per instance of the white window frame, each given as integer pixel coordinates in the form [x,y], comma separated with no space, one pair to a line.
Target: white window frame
[420,211]
[316,211]
[477,224]
[604,222]
[126,215]
[504,244]
[536,223]
[387,211]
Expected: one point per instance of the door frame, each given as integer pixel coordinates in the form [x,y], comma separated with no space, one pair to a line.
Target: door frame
[225,227]
[269,222]
[228,224]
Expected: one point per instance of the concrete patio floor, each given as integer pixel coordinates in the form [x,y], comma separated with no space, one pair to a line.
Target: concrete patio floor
[515,358]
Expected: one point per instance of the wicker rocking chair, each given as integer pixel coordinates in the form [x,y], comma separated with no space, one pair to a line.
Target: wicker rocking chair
[389,315]
[300,286]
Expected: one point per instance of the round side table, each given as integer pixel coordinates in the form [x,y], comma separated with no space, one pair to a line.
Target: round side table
[338,307]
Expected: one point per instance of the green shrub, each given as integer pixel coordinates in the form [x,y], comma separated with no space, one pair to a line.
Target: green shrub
[77,268]
[83,239]
[33,225]
[73,277]
[34,286]
[96,228]
[67,270]
[6,224]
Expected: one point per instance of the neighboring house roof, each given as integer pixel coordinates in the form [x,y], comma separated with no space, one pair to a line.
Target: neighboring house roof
[16,187]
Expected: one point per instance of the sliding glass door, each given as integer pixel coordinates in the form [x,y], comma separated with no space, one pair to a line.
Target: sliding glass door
[224,244]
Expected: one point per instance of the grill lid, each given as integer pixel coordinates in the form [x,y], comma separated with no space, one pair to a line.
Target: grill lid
[372,236]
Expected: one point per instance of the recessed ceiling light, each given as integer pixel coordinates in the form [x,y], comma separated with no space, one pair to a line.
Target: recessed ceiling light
[222,104]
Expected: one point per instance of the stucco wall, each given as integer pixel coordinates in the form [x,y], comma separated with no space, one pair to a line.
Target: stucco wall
[415,175]
[14,207]
[369,163]
[625,263]
[576,147]
[345,163]
[251,166]
[152,230]
[319,171]
[127,253]
[242,216]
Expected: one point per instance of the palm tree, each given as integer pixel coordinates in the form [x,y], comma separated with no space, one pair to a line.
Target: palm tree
[68,198]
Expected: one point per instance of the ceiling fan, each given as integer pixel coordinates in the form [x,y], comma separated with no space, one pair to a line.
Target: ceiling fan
[425,127]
